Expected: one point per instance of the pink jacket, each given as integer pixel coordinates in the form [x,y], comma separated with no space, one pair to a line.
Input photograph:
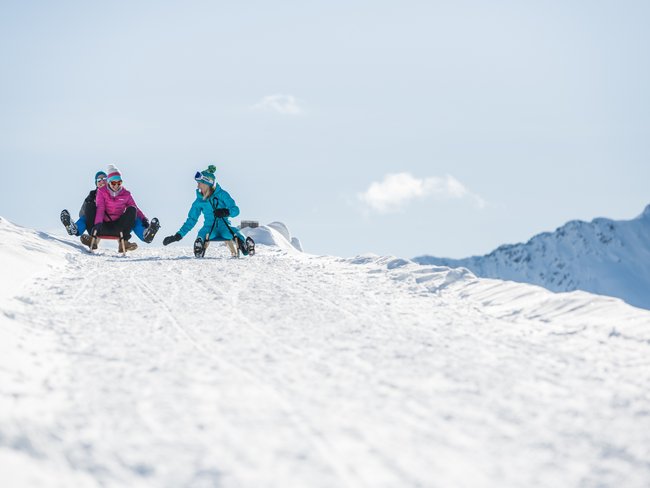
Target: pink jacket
[111,205]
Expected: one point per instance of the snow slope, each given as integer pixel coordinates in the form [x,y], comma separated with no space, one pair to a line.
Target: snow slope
[294,370]
[606,257]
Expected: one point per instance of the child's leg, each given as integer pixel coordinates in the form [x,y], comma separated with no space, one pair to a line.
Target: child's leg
[204,234]
[81,225]
[138,229]
[124,225]
[225,235]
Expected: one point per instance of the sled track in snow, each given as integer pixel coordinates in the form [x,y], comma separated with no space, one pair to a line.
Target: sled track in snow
[306,429]
[148,293]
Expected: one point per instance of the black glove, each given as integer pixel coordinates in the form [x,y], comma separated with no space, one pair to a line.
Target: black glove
[221,212]
[97,229]
[145,222]
[169,239]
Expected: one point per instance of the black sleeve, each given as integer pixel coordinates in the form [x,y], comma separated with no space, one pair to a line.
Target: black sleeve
[90,199]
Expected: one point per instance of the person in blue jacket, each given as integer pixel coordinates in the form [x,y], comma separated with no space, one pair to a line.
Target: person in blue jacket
[217,206]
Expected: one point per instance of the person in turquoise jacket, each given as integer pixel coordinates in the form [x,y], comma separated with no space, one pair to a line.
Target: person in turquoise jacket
[217,206]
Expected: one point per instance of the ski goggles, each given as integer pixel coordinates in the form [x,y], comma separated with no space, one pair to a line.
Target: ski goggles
[115,183]
[201,178]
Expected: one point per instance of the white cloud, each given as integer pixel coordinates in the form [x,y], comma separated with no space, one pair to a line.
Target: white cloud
[283,104]
[398,189]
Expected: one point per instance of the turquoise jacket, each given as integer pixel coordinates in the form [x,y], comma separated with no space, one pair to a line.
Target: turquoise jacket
[217,231]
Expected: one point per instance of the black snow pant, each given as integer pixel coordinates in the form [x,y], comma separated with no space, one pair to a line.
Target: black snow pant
[124,225]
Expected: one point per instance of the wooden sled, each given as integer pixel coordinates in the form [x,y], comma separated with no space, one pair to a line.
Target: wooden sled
[121,245]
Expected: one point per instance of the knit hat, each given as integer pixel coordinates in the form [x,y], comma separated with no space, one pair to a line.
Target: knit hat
[98,174]
[207,176]
[114,174]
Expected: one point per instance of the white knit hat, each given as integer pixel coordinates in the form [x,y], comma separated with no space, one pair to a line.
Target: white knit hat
[113,173]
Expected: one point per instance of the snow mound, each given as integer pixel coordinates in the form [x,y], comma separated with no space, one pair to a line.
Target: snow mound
[25,253]
[295,242]
[515,302]
[275,234]
[282,229]
[432,278]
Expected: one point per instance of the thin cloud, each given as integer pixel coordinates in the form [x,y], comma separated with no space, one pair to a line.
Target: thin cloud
[397,190]
[283,104]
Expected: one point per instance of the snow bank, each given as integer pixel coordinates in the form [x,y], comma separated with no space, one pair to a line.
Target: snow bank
[275,234]
[432,278]
[25,253]
[517,302]
[27,358]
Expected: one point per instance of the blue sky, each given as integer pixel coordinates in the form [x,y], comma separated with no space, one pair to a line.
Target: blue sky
[401,128]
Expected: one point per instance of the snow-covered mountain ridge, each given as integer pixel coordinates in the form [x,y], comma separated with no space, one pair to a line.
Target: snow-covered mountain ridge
[604,256]
[293,370]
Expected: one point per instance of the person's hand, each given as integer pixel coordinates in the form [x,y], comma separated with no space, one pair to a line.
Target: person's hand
[169,239]
[97,229]
[145,222]
[221,212]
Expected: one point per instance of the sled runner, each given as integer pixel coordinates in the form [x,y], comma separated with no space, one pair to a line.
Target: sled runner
[234,245]
[122,245]
[234,251]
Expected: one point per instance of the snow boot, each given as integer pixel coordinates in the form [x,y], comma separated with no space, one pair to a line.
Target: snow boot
[247,248]
[86,240]
[130,246]
[150,232]
[199,248]
[70,226]
[250,245]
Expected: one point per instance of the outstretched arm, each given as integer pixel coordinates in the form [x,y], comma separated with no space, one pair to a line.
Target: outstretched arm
[192,218]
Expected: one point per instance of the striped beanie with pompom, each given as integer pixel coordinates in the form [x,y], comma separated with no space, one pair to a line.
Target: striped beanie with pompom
[113,173]
[207,176]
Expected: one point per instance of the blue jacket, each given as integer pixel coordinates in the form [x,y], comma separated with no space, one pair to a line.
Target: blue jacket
[219,199]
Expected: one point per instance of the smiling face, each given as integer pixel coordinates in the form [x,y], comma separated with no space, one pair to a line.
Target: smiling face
[115,185]
[100,181]
[204,188]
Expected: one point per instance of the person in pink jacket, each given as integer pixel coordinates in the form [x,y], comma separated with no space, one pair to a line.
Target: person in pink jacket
[117,210]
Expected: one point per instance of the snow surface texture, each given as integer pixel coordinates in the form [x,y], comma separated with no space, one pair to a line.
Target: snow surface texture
[604,256]
[293,370]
